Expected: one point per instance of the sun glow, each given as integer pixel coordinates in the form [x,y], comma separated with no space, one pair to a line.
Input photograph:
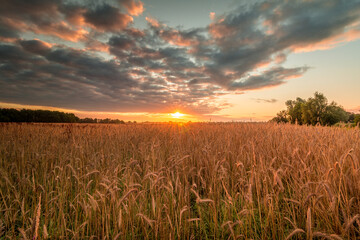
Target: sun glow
[177,115]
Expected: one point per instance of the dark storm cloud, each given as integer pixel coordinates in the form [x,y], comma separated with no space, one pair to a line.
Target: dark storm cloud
[28,9]
[7,31]
[107,18]
[160,65]
[35,46]
[121,42]
[10,54]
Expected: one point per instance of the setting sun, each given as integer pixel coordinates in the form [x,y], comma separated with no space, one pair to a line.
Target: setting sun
[177,115]
[127,119]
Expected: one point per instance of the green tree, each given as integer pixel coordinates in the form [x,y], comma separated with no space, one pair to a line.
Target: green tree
[294,110]
[313,110]
[281,117]
[351,117]
[357,120]
[334,114]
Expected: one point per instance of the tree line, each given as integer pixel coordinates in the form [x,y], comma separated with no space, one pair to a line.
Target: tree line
[46,116]
[315,110]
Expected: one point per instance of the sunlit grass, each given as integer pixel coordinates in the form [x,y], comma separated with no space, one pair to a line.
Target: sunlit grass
[172,181]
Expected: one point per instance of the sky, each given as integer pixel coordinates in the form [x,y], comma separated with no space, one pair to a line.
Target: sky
[207,59]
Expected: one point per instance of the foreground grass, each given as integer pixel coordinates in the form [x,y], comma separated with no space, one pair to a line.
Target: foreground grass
[170,181]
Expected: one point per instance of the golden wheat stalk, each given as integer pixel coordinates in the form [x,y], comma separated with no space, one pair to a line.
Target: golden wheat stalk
[37,219]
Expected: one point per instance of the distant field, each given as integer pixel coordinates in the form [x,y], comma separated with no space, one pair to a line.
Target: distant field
[179,181]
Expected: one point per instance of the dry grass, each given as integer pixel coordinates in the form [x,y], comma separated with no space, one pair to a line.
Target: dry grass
[170,181]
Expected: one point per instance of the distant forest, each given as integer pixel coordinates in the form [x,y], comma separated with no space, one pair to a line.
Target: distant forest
[46,116]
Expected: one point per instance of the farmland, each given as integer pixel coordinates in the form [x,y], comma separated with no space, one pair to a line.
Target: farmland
[179,181]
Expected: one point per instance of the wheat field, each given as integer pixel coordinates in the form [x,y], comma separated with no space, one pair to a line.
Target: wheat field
[179,181]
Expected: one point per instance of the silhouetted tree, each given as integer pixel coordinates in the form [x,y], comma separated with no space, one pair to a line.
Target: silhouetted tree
[88,120]
[46,116]
[26,115]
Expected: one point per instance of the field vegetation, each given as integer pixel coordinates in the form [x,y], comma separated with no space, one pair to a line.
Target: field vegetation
[179,181]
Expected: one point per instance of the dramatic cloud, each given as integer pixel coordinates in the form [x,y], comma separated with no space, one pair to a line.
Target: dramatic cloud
[39,16]
[107,18]
[8,32]
[66,20]
[260,34]
[133,7]
[269,78]
[61,76]
[113,66]
[36,46]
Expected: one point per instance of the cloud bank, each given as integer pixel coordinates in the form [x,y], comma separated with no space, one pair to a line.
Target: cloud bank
[96,60]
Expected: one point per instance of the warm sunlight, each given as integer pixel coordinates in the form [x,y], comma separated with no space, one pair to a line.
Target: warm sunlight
[177,115]
[189,121]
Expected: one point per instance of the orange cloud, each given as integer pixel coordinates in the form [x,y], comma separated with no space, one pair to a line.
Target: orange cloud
[13,23]
[153,22]
[135,32]
[262,64]
[7,39]
[134,8]
[61,30]
[76,17]
[212,15]
[175,38]
[45,44]
[219,29]
[95,45]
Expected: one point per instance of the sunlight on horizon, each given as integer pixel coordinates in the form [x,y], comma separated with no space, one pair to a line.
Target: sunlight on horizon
[177,115]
